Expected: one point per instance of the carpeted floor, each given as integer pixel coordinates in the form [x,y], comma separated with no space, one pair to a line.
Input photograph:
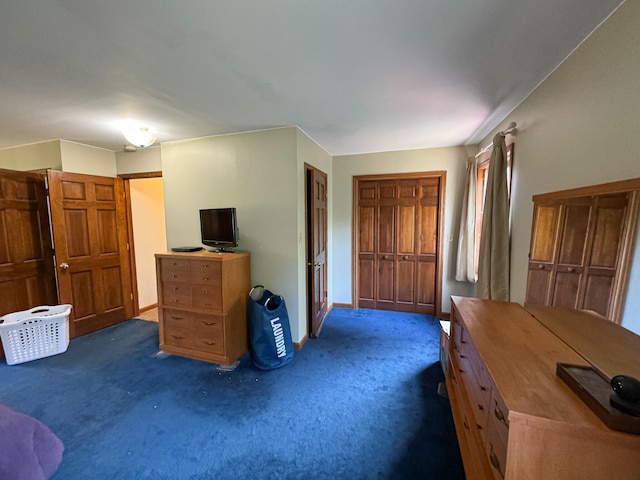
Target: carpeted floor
[359,402]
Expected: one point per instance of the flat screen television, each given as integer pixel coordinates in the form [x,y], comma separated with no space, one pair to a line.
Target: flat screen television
[219,228]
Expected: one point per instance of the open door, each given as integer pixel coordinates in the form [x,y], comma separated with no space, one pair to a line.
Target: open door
[90,239]
[316,183]
[26,259]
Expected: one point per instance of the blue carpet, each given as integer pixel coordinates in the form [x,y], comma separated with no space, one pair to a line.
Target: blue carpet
[359,402]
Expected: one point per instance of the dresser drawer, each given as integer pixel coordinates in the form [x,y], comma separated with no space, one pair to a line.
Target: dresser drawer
[209,333]
[174,270]
[203,272]
[176,294]
[178,335]
[176,318]
[207,296]
[496,449]
[497,433]
[208,326]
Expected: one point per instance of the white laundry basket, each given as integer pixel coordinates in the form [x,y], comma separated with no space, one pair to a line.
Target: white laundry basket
[31,334]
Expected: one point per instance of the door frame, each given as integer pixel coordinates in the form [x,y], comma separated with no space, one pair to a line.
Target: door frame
[126,179]
[442,176]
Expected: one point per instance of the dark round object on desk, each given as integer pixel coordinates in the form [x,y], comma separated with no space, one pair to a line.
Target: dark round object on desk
[627,388]
[630,408]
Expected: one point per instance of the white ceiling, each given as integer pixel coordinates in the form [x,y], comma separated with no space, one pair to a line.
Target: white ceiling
[357,76]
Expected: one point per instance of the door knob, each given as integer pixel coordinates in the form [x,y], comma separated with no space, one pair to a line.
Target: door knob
[64,266]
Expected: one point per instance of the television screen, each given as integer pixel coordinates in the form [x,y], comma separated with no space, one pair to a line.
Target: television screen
[219,228]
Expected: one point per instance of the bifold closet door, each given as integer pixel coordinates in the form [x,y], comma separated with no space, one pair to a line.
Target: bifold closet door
[397,242]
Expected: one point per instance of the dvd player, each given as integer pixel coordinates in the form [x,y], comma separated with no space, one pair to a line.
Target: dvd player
[186,249]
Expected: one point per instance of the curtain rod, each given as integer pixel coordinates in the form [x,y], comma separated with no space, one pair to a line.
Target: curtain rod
[511,129]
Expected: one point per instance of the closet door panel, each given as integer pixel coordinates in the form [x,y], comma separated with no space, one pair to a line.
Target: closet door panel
[609,220]
[598,293]
[565,292]
[574,232]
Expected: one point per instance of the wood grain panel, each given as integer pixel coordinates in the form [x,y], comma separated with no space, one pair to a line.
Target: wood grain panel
[74,190]
[4,237]
[366,232]
[83,289]
[108,228]
[574,233]
[544,235]
[78,238]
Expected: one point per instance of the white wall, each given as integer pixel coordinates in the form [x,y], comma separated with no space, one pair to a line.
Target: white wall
[451,159]
[580,127]
[308,151]
[149,234]
[142,160]
[257,173]
[79,158]
[35,156]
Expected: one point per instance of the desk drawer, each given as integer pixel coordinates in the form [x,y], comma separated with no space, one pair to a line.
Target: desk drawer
[176,294]
[178,335]
[174,270]
[207,296]
[205,272]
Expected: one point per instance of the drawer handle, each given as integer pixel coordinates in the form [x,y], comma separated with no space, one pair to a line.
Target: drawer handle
[205,291]
[177,318]
[499,415]
[570,269]
[541,267]
[174,276]
[208,324]
[205,279]
[406,257]
[209,343]
[175,288]
[177,337]
[493,458]
[205,266]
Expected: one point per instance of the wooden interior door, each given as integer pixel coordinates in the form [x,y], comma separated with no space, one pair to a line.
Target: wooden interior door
[91,248]
[317,248]
[580,248]
[397,242]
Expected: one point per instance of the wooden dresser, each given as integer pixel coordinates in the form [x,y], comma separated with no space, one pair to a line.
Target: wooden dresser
[514,417]
[202,300]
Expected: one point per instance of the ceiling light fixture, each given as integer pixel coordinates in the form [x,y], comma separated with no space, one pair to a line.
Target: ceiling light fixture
[139,136]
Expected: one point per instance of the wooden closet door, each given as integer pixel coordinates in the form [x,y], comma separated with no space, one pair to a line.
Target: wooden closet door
[397,244]
[544,239]
[572,251]
[575,251]
[609,216]
[27,278]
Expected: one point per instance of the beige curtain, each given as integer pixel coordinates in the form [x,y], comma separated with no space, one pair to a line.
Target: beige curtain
[495,257]
[465,264]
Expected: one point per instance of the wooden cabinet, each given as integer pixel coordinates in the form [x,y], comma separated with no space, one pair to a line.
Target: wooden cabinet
[514,417]
[577,247]
[202,300]
[398,243]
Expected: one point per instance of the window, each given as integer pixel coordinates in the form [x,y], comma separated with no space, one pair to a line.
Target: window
[481,190]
